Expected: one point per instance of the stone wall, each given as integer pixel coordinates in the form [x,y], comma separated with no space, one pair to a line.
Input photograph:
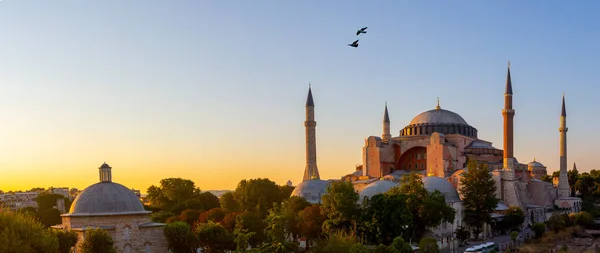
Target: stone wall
[127,236]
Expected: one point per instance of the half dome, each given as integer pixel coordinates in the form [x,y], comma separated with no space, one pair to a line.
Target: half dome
[377,187]
[312,190]
[437,183]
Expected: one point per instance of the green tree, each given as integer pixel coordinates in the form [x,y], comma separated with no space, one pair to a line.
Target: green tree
[386,217]
[67,239]
[214,215]
[252,222]
[401,246]
[547,178]
[257,195]
[97,241]
[229,203]
[229,221]
[295,204]
[47,201]
[46,212]
[310,223]
[214,238]
[340,207]
[583,219]
[242,240]
[206,201]
[426,209]
[161,216]
[428,245]
[513,237]
[514,217]
[557,223]
[180,237]
[176,195]
[276,231]
[50,217]
[340,241]
[285,191]
[573,176]
[539,229]
[289,212]
[462,234]
[21,233]
[585,184]
[479,196]
[29,211]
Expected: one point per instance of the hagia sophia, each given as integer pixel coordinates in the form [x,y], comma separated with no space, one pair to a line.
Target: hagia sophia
[438,144]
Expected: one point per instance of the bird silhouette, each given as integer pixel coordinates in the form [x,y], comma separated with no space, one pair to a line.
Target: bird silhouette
[362,30]
[354,44]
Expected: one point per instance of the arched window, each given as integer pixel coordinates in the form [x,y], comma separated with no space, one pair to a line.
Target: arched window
[126,233]
[147,247]
[127,248]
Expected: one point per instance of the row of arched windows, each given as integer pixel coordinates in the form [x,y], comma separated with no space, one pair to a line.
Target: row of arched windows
[425,129]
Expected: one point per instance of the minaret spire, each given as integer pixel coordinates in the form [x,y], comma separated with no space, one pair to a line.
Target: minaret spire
[563,113]
[508,81]
[309,99]
[310,171]
[564,190]
[386,136]
[508,113]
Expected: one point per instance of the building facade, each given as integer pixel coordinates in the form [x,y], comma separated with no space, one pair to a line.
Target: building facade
[438,144]
[116,209]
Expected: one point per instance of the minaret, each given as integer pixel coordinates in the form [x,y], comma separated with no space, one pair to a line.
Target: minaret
[311,171]
[105,173]
[386,136]
[508,113]
[564,190]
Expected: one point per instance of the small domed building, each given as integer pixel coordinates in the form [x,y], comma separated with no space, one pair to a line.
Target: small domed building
[116,209]
[536,169]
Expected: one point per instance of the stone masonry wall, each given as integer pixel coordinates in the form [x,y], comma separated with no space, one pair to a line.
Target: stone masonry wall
[127,236]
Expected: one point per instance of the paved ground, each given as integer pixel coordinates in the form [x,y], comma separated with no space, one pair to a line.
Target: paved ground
[501,240]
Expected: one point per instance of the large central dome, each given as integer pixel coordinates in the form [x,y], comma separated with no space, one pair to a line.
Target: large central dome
[438,120]
[438,116]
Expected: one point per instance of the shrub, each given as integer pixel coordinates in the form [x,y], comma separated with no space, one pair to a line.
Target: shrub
[514,235]
[22,233]
[97,241]
[428,245]
[539,229]
[583,219]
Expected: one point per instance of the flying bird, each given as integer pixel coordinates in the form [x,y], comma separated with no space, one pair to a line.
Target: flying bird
[354,44]
[362,30]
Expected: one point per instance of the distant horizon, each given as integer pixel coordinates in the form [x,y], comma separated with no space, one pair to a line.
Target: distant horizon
[214,91]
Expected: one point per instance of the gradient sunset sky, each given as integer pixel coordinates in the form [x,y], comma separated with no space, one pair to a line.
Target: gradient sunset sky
[214,91]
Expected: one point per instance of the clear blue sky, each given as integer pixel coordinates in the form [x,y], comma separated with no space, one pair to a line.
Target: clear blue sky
[214,91]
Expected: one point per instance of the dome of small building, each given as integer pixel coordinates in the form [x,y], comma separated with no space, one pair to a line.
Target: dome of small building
[377,187]
[106,198]
[312,190]
[535,164]
[437,183]
[438,116]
